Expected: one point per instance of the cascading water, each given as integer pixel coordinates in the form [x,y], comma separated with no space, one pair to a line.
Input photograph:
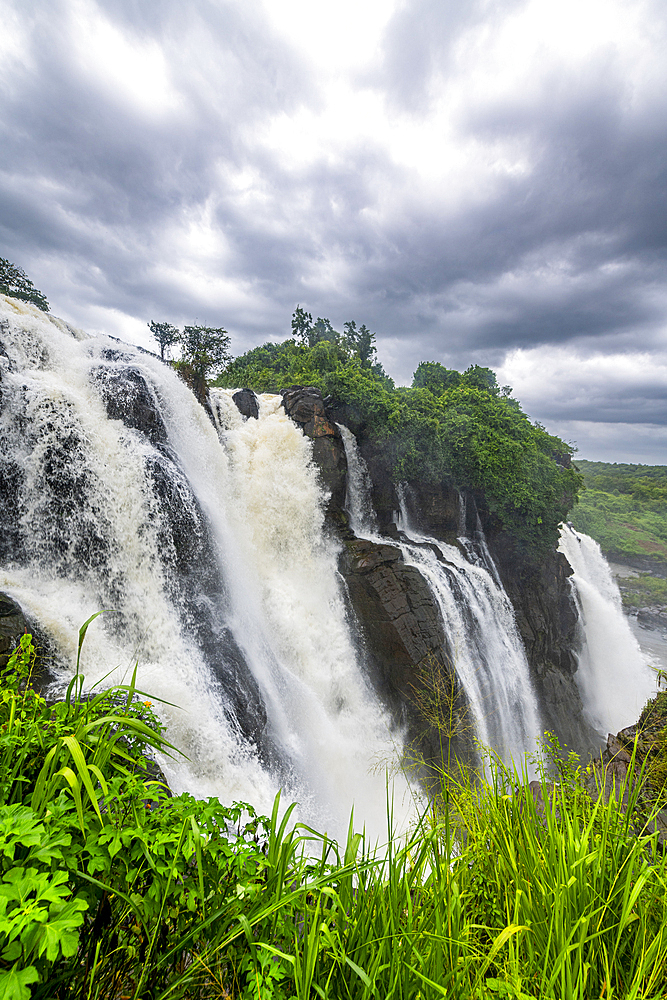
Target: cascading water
[484,645]
[613,676]
[478,621]
[358,498]
[118,494]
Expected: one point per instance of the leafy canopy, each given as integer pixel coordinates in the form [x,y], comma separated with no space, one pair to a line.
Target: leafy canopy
[205,349]
[459,427]
[165,334]
[16,283]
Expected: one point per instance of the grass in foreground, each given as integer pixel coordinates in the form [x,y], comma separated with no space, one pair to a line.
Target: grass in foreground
[111,889]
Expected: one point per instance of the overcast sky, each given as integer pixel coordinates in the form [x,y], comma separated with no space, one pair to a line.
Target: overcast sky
[479,182]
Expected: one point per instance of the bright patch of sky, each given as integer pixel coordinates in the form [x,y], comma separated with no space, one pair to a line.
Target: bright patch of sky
[479,183]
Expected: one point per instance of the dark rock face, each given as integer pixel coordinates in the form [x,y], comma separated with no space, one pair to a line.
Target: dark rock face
[306,408]
[612,768]
[437,509]
[13,624]
[547,619]
[545,611]
[128,397]
[186,552]
[246,403]
[69,529]
[402,638]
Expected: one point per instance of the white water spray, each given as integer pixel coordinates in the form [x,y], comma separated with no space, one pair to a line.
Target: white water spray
[358,497]
[486,649]
[478,621]
[254,614]
[613,676]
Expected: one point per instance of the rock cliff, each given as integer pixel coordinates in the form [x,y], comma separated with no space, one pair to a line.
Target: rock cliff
[395,610]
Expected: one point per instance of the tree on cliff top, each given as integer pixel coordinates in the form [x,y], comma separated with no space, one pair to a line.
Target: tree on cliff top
[434,376]
[205,350]
[165,334]
[16,283]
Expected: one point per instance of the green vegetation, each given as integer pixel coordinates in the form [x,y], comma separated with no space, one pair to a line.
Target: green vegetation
[16,283]
[204,349]
[452,426]
[111,889]
[624,508]
[165,334]
[643,590]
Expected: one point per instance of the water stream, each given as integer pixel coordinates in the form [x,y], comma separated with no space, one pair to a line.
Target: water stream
[614,677]
[484,645]
[208,543]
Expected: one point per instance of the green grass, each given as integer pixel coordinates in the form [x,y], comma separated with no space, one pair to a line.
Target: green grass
[110,889]
[624,508]
[643,591]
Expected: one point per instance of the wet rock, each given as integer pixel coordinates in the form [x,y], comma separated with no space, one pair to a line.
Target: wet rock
[537,790]
[302,403]
[305,406]
[248,712]
[436,509]
[402,637]
[652,618]
[12,543]
[246,403]
[197,588]
[547,619]
[13,625]
[128,397]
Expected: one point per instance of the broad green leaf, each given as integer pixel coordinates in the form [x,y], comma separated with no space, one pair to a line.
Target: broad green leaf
[15,984]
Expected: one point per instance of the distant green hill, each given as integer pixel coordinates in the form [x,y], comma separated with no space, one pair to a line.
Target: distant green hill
[624,508]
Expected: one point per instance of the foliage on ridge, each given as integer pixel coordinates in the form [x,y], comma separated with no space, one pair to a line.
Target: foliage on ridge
[624,508]
[16,283]
[458,427]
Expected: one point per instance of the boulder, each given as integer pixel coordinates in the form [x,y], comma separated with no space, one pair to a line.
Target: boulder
[246,403]
[128,397]
[305,406]
[13,624]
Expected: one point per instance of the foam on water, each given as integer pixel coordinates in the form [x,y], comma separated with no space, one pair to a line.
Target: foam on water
[478,621]
[93,531]
[613,675]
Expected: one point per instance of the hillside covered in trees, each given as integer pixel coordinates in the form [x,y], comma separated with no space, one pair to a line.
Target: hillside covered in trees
[624,508]
[457,427]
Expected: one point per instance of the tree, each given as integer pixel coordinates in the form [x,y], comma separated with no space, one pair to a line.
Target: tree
[434,376]
[302,325]
[16,283]
[165,334]
[481,378]
[205,349]
[323,330]
[310,333]
[361,341]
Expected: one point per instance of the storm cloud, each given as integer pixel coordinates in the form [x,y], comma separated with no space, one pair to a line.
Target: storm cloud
[482,182]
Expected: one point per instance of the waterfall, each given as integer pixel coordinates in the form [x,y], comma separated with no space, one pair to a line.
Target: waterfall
[485,648]
[119,492]
[613,676]
[358,498]
[484,644]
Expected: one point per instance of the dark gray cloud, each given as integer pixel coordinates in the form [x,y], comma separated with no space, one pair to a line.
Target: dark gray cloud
[179,160]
